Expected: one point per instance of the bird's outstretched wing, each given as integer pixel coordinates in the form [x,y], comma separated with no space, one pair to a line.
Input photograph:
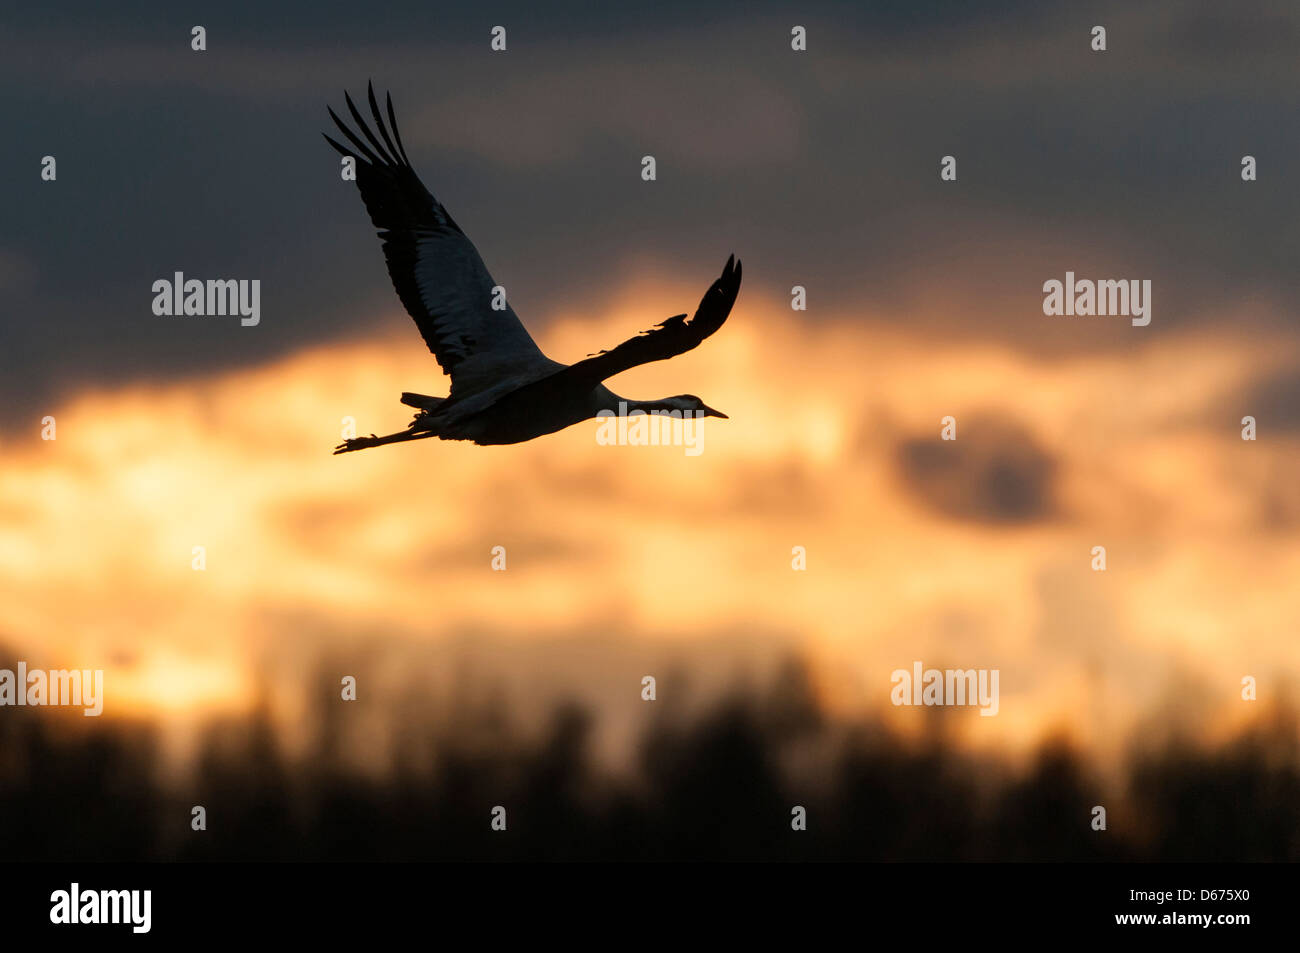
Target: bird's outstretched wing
[668,338]
[435,268]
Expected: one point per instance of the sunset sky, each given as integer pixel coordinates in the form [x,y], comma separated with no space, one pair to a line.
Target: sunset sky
[819,169]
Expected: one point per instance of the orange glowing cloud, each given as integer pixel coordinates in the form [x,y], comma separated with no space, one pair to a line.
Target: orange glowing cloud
[389,551]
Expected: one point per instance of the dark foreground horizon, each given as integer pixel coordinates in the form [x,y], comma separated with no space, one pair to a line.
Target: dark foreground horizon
[718,786]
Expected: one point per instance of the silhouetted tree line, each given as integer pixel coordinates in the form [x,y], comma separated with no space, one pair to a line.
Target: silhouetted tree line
[720,786]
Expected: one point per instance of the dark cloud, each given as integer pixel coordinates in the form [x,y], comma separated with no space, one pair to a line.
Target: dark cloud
[994,472]
[821,168]
[1275,401]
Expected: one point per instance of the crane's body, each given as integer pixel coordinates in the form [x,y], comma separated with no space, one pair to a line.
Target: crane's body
[503,388]
[512,414]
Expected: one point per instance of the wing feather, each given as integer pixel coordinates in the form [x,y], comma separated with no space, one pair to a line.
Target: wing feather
[669,338]
[435,269]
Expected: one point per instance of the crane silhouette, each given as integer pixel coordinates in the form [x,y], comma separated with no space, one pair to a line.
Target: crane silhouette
[503,388]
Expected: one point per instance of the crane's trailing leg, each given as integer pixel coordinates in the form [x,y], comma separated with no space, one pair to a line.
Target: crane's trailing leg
[361,443]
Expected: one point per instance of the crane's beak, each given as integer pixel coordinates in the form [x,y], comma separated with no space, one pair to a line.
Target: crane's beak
[710,412]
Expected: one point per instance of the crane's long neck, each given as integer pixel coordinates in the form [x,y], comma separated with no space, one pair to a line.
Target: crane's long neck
[612,402]
[664,405]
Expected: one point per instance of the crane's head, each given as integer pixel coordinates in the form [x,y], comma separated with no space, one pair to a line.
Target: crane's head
[692,406]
